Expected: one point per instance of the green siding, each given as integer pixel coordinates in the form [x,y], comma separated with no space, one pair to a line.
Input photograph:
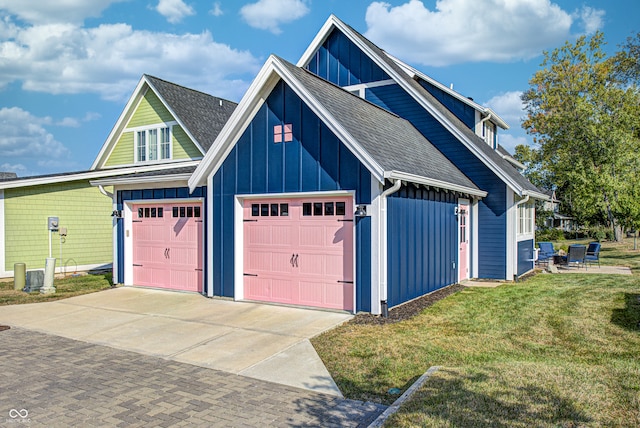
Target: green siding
[81,208]
[149,112]
[122,153]
[183,147]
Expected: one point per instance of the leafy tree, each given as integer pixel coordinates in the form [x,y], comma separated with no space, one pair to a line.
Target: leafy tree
[583,115]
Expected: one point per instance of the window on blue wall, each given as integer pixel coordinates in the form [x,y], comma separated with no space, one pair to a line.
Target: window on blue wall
[283,133]
[526,217]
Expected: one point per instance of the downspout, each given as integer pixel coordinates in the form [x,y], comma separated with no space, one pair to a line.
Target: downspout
[520,202]
[383,244]
[104,192]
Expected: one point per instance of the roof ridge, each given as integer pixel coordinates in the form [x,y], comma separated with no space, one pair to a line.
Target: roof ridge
[187,88]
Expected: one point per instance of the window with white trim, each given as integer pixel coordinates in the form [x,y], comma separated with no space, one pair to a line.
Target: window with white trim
[526,216]
[153,144]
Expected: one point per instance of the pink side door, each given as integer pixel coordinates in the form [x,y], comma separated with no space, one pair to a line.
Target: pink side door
[463,257]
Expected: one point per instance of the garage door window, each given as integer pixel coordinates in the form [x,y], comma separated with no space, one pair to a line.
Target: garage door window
[326,208]
[269,210]
[150,212]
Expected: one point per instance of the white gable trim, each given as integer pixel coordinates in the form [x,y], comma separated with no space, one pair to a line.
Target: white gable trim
[120,126]
[272,72]
[334,22]
[397,175]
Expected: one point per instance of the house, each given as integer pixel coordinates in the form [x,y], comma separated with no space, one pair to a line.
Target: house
[555,219]
[161,136]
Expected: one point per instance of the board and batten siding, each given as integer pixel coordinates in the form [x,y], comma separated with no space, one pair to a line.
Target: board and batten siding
[463,111]
[81,208]
[422,249]
[151,111]
[492,210]
[525,256]
[314,161]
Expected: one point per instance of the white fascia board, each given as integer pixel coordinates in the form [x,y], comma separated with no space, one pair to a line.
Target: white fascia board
[112,139]
[175,117]
[96,174]
[397,175]
[537,195]
[141,180]
[335,22]
[411,71]
[259,90]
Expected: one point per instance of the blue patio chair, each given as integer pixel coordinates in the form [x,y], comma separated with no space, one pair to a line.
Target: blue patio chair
[593,253]
[576,254]
[546,252]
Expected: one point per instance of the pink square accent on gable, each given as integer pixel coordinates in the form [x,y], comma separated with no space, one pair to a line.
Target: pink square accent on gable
[288,132]
[277,134]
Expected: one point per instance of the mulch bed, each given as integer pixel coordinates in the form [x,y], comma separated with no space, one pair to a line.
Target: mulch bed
[409,309]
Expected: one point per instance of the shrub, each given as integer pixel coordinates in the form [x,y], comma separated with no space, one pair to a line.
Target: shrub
[549,235]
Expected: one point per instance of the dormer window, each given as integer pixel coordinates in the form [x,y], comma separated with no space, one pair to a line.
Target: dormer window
[153,144]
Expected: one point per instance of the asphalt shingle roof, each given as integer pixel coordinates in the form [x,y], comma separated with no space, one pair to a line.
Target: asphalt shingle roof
[204,115]
[393,142]
[478,142]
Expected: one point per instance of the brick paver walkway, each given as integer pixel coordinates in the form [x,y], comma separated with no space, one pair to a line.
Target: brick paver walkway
[52,381]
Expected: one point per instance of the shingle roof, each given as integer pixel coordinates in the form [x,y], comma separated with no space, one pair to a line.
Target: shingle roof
[486,150]
[393,142]
[204,115]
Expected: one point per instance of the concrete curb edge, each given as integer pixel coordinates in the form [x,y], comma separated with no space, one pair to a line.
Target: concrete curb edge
[380,420]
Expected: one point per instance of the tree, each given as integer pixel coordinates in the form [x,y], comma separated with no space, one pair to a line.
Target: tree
[582,113]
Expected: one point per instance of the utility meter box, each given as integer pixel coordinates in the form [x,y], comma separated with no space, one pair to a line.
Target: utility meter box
[52,223]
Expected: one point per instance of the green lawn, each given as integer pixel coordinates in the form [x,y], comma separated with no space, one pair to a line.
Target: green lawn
[67,287]
[553,350]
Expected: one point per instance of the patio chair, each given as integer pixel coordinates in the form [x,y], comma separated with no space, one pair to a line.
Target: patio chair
[576,254]
[593,253]
[546,252]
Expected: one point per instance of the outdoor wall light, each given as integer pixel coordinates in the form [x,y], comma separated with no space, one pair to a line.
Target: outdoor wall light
[116,213]
[361,211]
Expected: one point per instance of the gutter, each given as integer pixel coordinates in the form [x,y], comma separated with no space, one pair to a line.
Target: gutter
[383,244]
[104,192]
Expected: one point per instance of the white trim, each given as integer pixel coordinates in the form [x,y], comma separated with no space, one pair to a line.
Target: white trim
[178,178]
[238,240]
[127,218]
[361,87]
[209,238]
[397,175]
[333,21]
[169,124]
[376,258]
[468,203]
[53,179]
[2,236]
[272,72]
[512,227]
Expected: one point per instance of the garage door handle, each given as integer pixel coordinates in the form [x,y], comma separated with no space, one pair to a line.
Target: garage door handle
[346,282]
[348,219]
[249,274]
[296,261]
[137,265]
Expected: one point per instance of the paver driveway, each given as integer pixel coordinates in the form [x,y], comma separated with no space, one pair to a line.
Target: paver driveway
[52,381]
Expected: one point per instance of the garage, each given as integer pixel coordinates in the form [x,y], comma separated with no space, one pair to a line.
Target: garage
[167,245]
[299,251]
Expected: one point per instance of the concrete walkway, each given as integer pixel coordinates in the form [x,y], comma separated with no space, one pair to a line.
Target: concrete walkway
[264,342]
[52,381]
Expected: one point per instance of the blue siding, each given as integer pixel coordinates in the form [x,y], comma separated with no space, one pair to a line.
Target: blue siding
[154,194]
[525,256]
[314,161]
[463,111]
[341,62]
[492,214]
[422,234]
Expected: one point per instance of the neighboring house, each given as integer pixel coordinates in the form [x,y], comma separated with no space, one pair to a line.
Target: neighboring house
[158,232]
[556,220]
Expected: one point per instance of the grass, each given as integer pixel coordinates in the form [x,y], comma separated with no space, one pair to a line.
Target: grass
[67,287]
[553,350]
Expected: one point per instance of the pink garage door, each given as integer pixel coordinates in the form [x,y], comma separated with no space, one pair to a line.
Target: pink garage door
[299,251]
[167,246]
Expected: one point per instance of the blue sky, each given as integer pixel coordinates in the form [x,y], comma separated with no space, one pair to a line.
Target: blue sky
[67,68]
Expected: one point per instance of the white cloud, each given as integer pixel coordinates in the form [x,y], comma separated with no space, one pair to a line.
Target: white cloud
[216,10]
[39,11]
[510,142]
[18,168]
[110,59]
[590,18]
[459,31]
[270,14]
[23,134]
[174,10]
[508,106]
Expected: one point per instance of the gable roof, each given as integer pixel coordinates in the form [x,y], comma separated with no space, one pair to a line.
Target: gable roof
[488,156]
[200,115]
[388,145]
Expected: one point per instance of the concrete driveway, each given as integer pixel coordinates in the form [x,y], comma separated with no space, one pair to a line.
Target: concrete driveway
[260,341]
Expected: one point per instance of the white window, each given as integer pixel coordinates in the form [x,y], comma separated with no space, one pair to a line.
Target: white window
[153,144]
[526,215]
